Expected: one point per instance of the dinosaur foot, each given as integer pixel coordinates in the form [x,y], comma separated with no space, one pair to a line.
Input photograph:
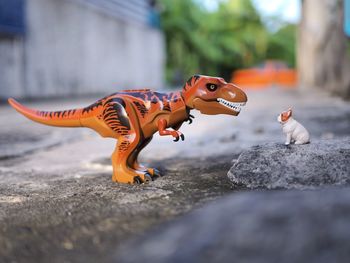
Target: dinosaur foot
[139,176]
[146,180]
[135,177]
[155,173]
[151,175]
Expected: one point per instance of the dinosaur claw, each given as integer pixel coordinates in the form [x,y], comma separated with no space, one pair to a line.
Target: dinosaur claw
[137,180]
[190,117]
[182,137]
[176,139]
[156,173]
[148,178]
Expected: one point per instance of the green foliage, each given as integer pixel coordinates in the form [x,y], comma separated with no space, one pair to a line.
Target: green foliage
[217,42]
[348,48]
[282,45]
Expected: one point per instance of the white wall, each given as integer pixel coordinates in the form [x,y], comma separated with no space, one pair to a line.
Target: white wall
[11,67]
[72,48]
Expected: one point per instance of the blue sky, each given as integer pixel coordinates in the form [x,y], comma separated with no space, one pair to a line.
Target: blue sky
[286,10]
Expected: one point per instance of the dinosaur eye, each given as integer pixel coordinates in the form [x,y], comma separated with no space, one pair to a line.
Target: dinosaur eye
[212,87]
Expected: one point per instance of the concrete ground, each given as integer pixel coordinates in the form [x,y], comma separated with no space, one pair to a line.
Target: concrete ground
[57,200]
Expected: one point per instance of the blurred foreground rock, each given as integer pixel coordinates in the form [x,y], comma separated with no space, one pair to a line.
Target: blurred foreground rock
[323,162]
[289,226]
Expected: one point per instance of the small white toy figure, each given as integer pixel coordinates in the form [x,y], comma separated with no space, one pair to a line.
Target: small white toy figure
[296,133]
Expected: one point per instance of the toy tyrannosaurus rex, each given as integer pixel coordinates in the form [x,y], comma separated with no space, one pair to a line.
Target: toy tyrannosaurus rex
[133,116]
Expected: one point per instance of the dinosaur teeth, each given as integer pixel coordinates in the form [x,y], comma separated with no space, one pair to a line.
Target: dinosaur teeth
[231,105]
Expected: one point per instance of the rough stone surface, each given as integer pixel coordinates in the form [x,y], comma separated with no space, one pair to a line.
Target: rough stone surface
[57,200]
[81,216]
[323,162]
[274,226]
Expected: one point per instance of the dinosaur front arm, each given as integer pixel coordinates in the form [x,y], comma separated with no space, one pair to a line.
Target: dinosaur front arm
[162,125]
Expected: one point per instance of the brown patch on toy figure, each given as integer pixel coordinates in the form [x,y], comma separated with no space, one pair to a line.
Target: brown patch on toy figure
[295,132]
[133,116]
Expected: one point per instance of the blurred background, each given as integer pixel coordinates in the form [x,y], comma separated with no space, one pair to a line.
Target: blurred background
[57,201]
[60,48]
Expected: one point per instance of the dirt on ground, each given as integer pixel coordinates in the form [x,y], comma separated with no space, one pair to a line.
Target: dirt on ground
[57,200]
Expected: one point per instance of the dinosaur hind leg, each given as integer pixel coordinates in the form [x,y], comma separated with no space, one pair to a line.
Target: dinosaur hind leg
[123,171]
[137,166]
[129,135]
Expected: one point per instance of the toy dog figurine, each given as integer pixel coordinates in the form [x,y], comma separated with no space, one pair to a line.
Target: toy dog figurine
[133,116]
[296,133]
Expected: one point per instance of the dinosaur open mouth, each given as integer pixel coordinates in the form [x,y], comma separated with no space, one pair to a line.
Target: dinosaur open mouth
[231,105]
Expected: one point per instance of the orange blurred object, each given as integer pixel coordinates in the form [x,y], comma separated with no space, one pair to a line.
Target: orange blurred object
[269,73]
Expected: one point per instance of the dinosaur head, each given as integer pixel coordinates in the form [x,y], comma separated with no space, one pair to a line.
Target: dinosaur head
[211,95]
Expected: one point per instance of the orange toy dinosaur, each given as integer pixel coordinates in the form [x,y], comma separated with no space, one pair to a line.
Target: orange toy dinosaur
[133,116]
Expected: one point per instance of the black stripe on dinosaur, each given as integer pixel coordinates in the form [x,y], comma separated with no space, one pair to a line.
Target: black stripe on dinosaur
[41,113]
[48,113]
[115,100]
[123,146]
[58,114]
[141,108]
[153,97]
[115,116]
[196,77]
[92,106]
[173,97]
[189,81]
[166,106]
[98,103]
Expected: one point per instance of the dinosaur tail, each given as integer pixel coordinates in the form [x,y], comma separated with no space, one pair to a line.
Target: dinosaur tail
[67,118]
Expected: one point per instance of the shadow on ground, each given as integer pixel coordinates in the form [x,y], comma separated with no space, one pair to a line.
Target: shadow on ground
[85,219]
[58,203]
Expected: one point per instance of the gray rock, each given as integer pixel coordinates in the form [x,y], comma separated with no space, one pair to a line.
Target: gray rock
[273,166]
[274,226]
